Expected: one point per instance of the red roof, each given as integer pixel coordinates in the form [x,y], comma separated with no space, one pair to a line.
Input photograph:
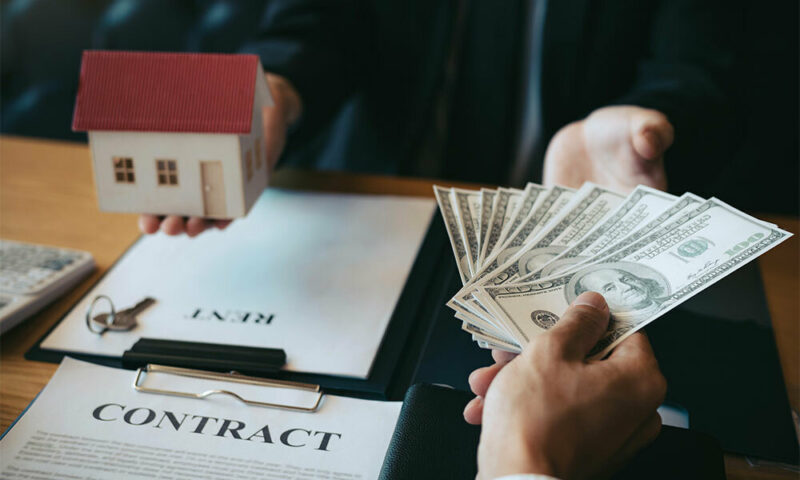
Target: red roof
[165,92]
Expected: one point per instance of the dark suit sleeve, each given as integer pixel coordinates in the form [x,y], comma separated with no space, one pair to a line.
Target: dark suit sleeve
[688,75]
[321,47]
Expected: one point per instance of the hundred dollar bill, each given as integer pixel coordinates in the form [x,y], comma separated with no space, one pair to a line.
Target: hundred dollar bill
[589,206]
[483,320]
[487,202]
[570,215]
[555,200]
[495,223]
[505,203]
[467,206]
[553,203]
[642,204]
[592,204]
[483,328]
[492,346]
[531,198]
[484,324]
[479,334]
[488,335]
[643,280]
[453,231]
[687,202]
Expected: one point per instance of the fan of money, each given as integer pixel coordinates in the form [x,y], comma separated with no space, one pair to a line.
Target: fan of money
[524,255]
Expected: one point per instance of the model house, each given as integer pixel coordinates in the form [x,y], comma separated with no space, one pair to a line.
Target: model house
[174,133]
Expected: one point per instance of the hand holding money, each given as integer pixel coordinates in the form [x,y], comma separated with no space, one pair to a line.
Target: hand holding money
[551,412]
[523,260]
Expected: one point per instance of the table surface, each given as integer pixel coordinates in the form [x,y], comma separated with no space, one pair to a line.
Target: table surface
[47,196]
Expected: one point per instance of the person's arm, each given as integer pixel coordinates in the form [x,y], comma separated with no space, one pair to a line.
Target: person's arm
[689,76]
[314,53]
[682,92]
[321,47]
[551,412]
[687,73]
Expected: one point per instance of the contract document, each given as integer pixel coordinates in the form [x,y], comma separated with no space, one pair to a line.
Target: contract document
[316,274]
[89,422]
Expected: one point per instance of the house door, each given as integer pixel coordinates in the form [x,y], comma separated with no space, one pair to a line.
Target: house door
[213,189]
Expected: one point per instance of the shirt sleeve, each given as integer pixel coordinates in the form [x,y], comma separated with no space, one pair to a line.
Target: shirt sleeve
[322,47]
[688,74]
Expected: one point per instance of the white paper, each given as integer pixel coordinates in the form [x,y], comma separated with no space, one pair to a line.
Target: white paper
[89,423]
[316,274]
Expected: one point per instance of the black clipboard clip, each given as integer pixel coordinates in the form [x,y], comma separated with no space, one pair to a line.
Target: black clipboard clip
[213,357]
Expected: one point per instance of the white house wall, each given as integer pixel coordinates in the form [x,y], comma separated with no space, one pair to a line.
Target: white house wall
[146,195]
[253,188]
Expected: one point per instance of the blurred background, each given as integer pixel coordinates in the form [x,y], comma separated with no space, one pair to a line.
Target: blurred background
[42,41]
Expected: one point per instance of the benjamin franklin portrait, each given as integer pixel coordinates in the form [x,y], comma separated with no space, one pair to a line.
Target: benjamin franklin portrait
[634,292]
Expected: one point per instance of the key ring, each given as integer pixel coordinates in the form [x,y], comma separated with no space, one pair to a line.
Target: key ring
[109,320]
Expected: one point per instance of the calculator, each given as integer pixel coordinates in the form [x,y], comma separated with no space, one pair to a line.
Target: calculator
[32,276]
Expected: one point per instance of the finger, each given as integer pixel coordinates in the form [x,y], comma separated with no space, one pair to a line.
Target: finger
[581,326]
[286,110]
[473,412]
[274,134]
[651,134]
[480,379]
[222,224]
[172,225]
[634,363]
[195,226]
[643,436]
[149,223]
[501,356]
[633,350]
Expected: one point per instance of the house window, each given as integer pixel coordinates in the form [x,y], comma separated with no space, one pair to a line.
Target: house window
[248,164]
[167,172]
[258,153]
[123,170]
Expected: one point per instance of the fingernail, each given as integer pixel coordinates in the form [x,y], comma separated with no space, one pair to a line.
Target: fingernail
[591,299]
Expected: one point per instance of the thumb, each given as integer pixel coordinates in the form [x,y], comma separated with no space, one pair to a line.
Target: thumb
[275,129]
[581,326]
[651,133]
[285,111]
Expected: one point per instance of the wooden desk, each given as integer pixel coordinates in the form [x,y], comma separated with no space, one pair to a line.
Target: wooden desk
[47,196]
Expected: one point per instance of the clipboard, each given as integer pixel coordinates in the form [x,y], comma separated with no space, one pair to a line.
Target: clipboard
[198,422]
[398,354]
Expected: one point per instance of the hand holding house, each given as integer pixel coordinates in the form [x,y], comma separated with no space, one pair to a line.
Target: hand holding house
[174,133]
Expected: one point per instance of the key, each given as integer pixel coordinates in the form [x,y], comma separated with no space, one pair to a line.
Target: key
[124,319]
